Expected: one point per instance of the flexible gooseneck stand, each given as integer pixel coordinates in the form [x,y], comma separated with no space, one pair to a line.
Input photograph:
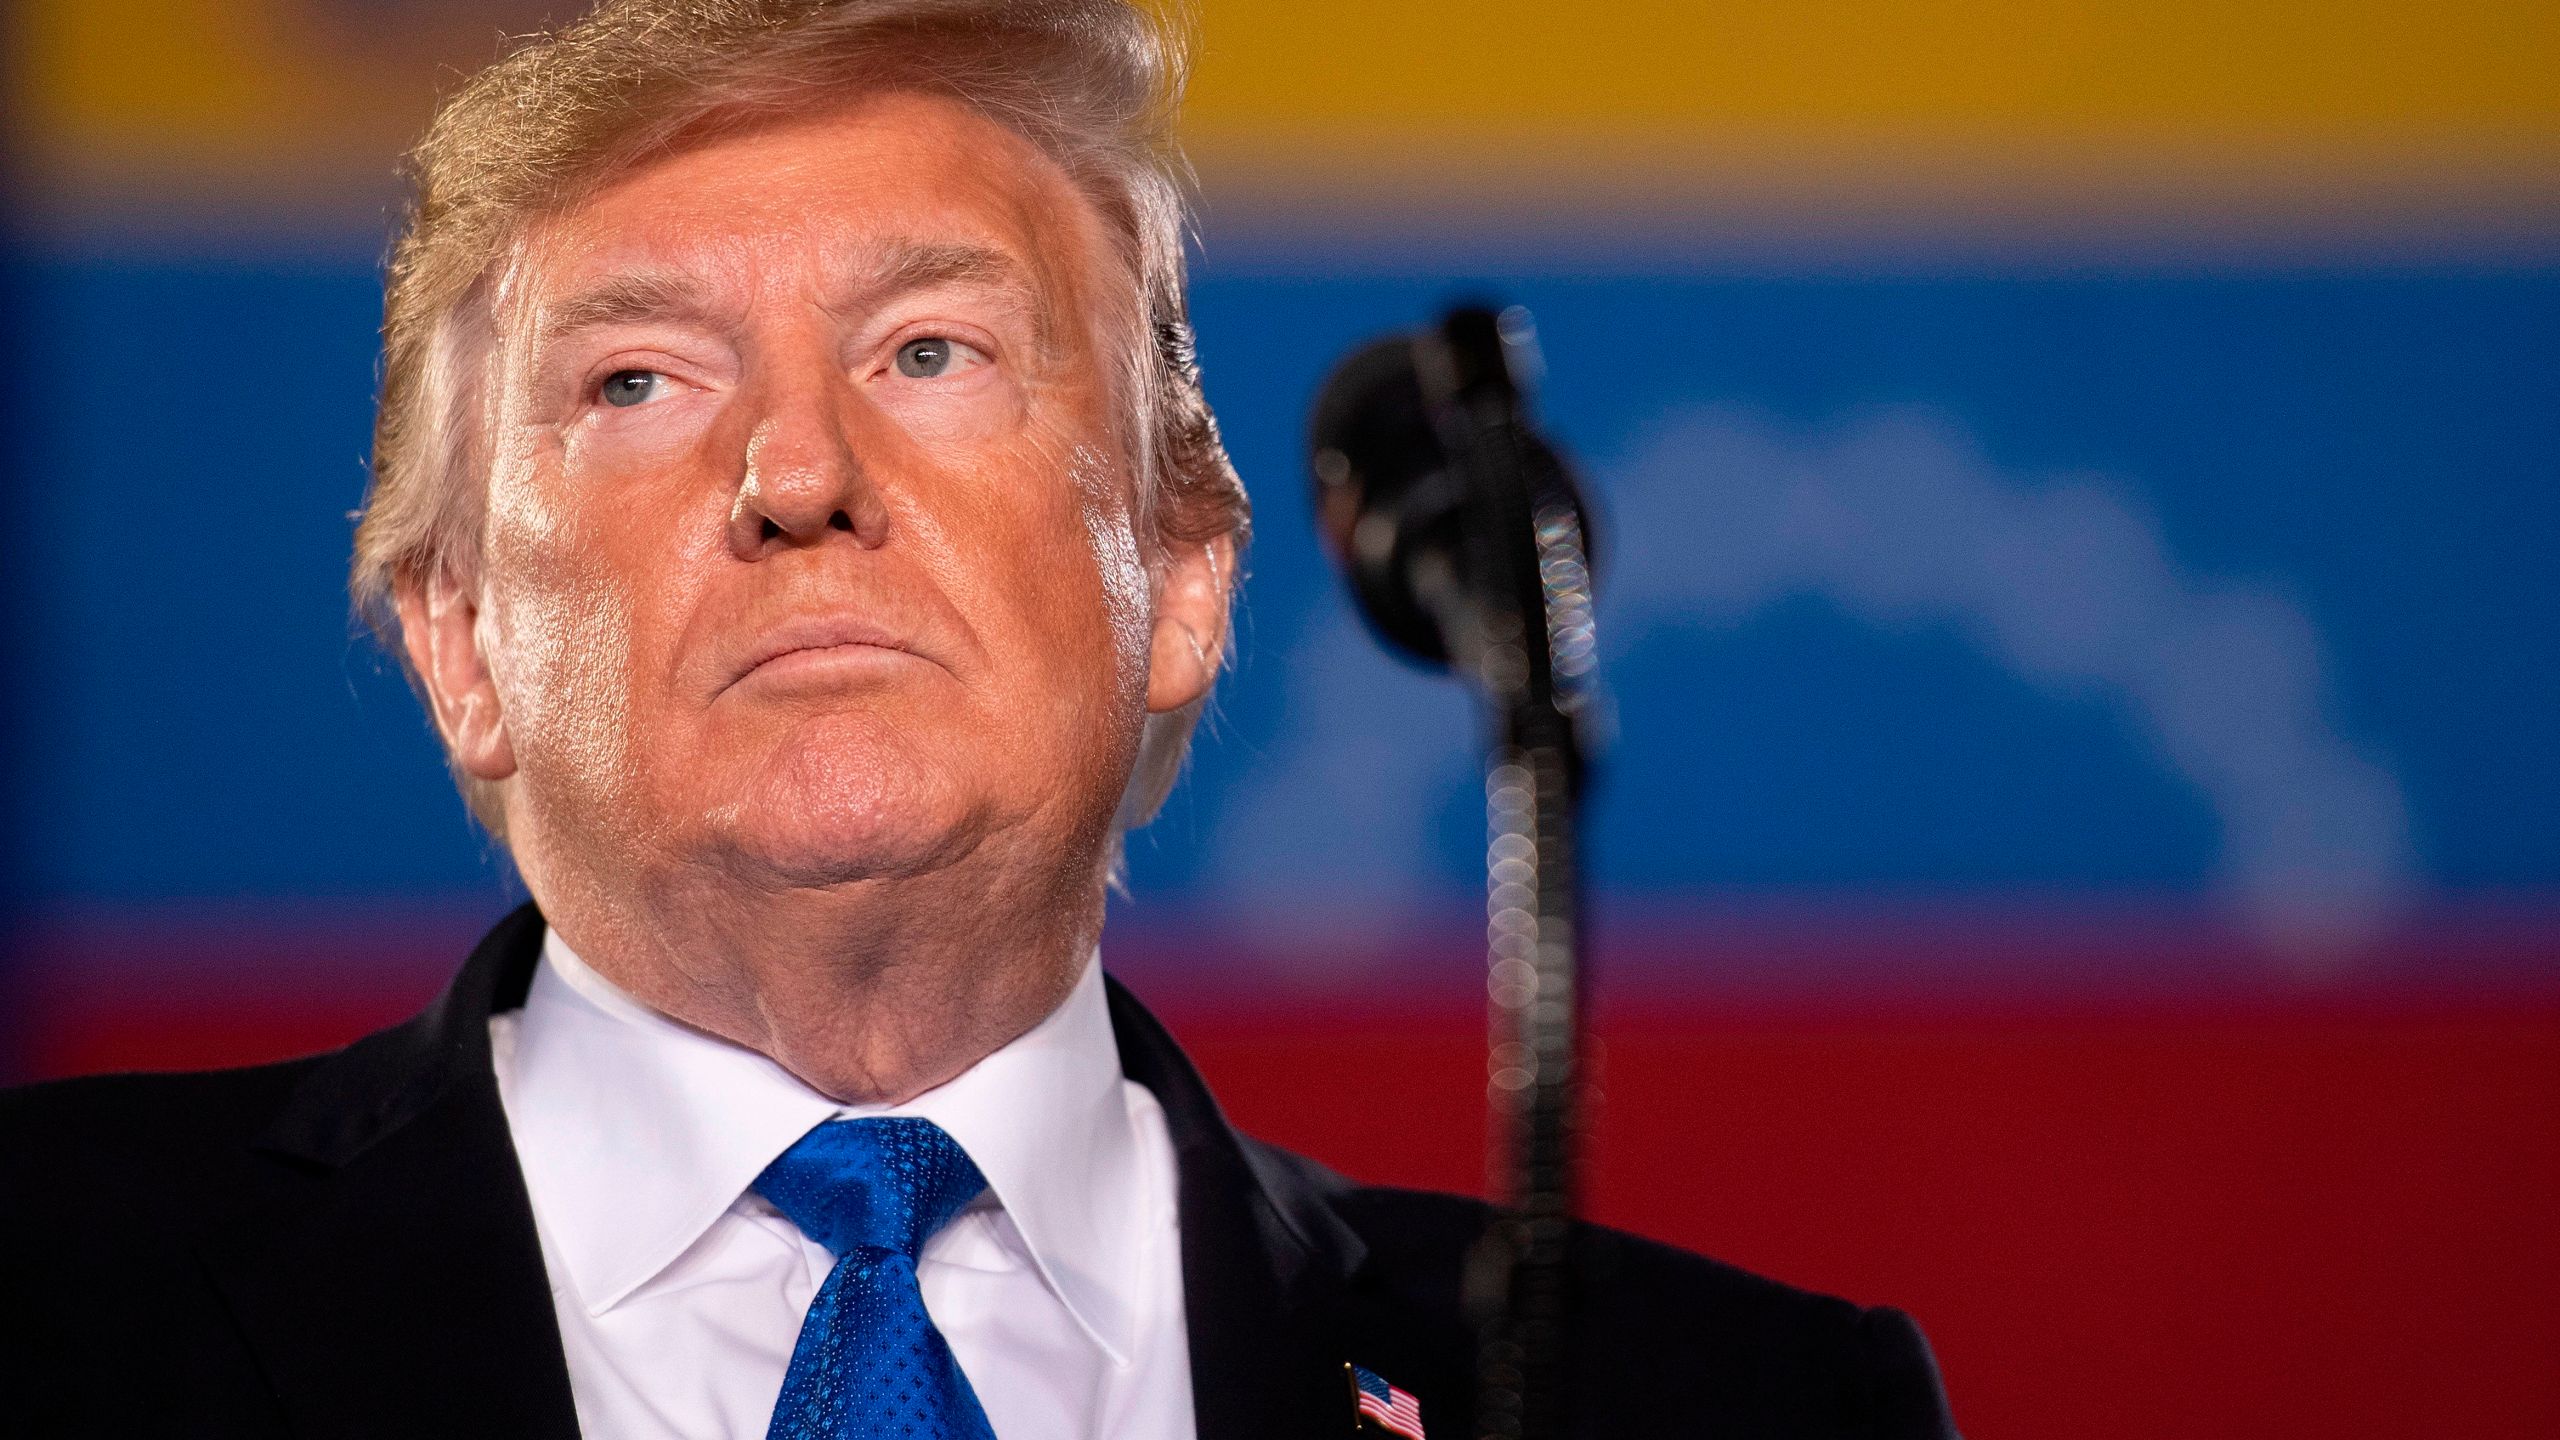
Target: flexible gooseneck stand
[1466,544]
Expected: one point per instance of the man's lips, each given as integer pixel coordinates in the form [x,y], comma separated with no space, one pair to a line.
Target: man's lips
[816,638]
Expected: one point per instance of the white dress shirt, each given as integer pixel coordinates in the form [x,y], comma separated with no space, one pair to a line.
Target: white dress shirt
[680,1291]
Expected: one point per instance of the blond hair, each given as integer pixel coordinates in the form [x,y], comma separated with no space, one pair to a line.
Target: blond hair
[1095,85]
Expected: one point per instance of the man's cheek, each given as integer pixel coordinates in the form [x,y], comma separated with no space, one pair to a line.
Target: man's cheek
[563,662]
[1105,533]
[1120,572]
[991,415]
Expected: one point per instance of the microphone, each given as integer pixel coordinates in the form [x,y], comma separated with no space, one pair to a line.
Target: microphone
[1434,488]
[1466,544]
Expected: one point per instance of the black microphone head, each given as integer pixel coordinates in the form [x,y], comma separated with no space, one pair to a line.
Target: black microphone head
[1382,491]
[1392,504]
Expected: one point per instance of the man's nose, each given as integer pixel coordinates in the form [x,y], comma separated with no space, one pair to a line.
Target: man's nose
[804,477]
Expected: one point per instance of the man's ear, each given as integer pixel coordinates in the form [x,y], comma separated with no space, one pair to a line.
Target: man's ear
[439,626]
[1192,587]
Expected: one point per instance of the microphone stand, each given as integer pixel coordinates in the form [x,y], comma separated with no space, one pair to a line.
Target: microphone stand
[1523,633]
[1464,542]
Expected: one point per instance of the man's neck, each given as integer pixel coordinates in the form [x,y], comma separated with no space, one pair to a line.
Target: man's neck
[871,991]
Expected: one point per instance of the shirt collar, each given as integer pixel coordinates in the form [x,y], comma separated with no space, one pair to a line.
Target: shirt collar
[637,1132]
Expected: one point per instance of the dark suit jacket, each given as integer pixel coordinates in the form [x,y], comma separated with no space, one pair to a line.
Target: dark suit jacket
[341,1246]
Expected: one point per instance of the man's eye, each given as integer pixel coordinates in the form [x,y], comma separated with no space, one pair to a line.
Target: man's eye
[926,358]
[626,388]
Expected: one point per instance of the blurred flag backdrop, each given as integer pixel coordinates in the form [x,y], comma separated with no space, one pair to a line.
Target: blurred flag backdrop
[2079,845]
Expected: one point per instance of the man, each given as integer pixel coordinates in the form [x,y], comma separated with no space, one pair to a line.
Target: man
[796,502]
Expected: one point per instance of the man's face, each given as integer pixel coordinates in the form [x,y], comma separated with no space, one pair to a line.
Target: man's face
[810,551]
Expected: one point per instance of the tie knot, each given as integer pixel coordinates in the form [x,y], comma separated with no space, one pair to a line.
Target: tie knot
[885,1183]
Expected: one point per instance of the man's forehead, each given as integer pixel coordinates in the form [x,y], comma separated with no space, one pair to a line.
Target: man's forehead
[871,192]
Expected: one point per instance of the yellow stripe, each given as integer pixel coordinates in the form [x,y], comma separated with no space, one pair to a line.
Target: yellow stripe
[2245,73]
[283,91]
[195,79]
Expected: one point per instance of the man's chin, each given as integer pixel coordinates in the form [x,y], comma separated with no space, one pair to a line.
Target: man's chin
[811,826]
[813,846]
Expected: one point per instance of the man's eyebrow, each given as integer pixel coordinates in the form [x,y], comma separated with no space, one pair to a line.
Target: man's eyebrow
[623,300]
[903,266]
[645,296]
[914,265]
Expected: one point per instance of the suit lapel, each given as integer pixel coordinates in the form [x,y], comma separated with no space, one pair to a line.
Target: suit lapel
[1266,1265]
[394,1285]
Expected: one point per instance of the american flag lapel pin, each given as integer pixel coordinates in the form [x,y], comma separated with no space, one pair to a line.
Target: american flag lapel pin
[1374,1401]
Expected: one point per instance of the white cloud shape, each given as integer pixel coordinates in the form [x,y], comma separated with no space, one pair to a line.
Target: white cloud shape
[1897,519]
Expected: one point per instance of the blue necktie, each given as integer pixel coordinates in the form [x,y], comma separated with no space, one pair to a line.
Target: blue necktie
[869,1365]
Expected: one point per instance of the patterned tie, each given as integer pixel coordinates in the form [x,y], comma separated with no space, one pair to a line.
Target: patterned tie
[869,1364]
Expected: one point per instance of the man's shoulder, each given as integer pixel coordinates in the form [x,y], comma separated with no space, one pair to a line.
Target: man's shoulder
[1664,1330]
[175,1111]
[100,1153]
[1423,1238]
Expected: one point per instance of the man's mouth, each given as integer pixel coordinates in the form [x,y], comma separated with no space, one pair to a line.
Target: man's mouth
[816,644]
